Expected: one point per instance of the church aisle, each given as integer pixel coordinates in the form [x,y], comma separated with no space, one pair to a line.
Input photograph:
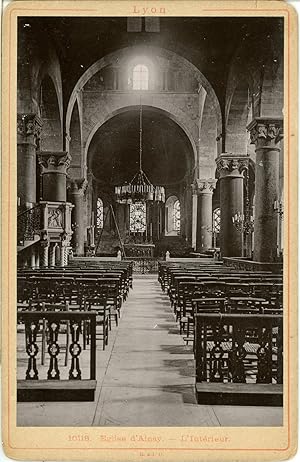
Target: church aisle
[150,377]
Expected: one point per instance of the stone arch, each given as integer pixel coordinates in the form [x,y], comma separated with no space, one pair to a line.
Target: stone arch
[189,118]
[47,65]
[128,108]
[153,51]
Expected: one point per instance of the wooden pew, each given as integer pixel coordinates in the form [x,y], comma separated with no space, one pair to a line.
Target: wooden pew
[239,359]
[36,387]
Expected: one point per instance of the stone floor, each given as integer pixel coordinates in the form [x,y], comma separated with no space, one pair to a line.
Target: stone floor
[145,377]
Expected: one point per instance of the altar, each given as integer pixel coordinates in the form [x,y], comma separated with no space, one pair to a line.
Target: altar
[139,250]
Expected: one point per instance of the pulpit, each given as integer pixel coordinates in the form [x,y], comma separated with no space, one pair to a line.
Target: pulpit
[56,232]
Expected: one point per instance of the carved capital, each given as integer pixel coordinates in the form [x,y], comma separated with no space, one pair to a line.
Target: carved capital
[266,131]
[52,162]
[29,125]
[204,186]
[229,164]
[79,186]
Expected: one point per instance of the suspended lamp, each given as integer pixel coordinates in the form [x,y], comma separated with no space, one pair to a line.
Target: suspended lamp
[140,189]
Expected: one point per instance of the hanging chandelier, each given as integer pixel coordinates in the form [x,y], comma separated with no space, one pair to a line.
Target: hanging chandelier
[140,189]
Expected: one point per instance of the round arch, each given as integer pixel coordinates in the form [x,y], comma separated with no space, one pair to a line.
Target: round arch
[135,107]
[153,51]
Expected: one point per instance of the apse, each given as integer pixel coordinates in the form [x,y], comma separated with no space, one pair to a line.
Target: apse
[167,155]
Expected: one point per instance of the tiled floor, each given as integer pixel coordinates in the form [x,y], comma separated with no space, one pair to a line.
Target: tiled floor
[145,377]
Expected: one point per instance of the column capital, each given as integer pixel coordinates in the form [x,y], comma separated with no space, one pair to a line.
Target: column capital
[204,186]
[54,161]
[266,131]
[29,125]
[78,186]
[228,164]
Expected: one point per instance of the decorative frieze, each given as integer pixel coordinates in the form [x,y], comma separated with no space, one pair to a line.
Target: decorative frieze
[54,162]
[267,131]
[56,219]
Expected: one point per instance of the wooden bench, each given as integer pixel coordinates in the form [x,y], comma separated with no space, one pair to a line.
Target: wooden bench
[239,359]
[37,388]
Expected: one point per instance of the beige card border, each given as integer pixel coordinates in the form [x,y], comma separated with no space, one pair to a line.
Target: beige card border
[228,443]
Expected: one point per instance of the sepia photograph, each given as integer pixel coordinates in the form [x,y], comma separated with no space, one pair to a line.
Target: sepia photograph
[150,291]
[150,206]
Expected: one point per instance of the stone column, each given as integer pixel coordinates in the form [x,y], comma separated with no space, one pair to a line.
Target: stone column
[188,211]
[231,202]
[54,167]
[153,221]
[266,134]
[205,189]
[44,246]
[194,216]
[121,218]
[52,254]
[78,189]
[65,242]
[163,219]
[29,129]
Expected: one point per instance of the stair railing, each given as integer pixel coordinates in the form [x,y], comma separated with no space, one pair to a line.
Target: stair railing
[28,224]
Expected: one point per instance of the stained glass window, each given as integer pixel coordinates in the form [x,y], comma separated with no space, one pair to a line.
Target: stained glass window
[216,220]
[176,216]
[140,77]
[99,216]
[138,217]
